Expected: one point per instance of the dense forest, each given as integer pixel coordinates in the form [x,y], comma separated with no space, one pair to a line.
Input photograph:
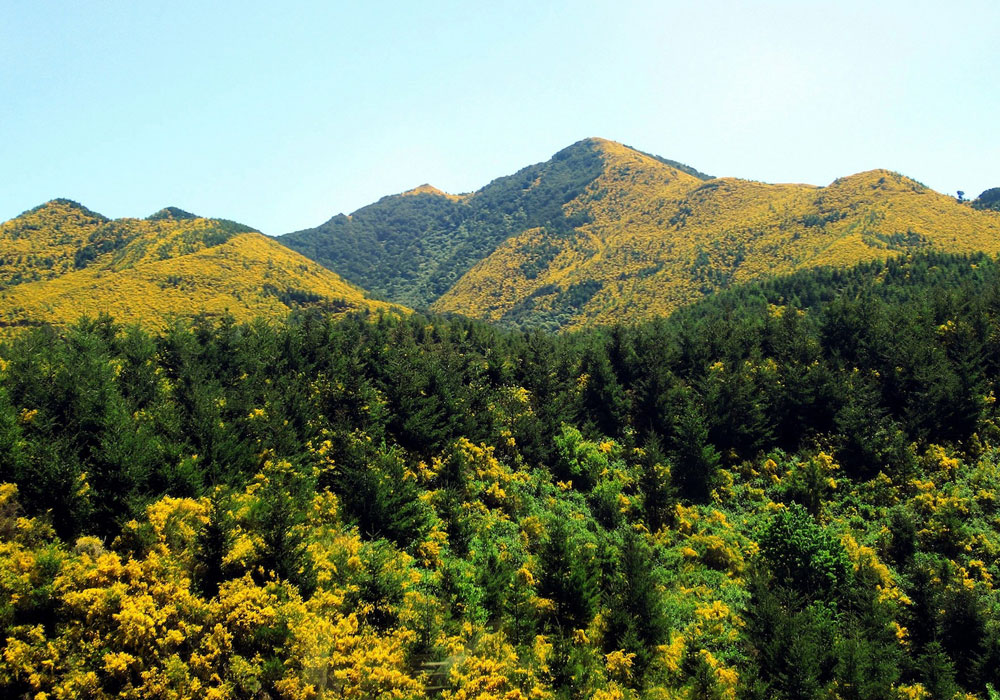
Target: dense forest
[787,490]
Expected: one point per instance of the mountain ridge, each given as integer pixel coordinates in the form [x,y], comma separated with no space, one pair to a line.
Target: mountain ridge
[604,232]
[599,233]
[412,247]
[60,260]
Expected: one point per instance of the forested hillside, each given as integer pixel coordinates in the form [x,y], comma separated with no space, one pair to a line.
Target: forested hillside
[788,490]
[647,250]
[603,233]
[60,261]
[412,247]
[989,199]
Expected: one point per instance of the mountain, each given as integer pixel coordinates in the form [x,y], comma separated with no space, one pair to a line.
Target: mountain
[412,247]
[603,233]
[60,261]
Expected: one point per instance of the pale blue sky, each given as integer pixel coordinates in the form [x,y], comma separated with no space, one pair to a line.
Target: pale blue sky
[279,115]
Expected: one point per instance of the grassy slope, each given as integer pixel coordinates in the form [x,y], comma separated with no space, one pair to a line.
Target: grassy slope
[60,261]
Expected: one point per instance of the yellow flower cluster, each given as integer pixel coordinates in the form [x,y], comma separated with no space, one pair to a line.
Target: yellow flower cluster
[135,627]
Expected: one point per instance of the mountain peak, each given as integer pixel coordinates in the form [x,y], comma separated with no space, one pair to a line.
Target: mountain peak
[426,189]
[878,179]
[593,144]
[616,151]
[600,143]
[64,207]
[171,214]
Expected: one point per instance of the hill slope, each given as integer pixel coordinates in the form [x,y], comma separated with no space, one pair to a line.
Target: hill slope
[60,261]
[603,233]
[649,247]
[412,247]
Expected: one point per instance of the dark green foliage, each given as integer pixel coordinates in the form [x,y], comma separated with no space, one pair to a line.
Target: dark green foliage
[381,591]
[558,306]
[12,448]
[810,624]
[656,484]
[814,621]
[989,199]
[283,501]
[802,556]
[578,460]
[292,298]
[695,460]
[377,494]
[793,645]
[937,672]
[963,633]
[903,537]
[568,578]
[79,436]
[871,441]
[603,402]
[636,620]
[721,381]
[867,664]
[169,213]
[808,486]
[213,541]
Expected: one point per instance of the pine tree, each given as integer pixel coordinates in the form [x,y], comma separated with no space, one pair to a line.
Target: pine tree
[568,579]
[695,461]
[656,483]
[636,620]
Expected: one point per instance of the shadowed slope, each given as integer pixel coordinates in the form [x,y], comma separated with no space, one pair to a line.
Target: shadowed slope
[412,247]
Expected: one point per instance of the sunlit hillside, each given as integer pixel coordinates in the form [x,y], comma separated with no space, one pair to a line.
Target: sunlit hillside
[60,261]
[42,243]
[654,238]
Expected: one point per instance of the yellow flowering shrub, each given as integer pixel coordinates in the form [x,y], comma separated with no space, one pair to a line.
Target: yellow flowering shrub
[493,671]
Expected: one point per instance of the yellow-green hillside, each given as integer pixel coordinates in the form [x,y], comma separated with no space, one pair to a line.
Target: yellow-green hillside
[42,243]
[60,261]
[432,190]
[656,238]
[412,247]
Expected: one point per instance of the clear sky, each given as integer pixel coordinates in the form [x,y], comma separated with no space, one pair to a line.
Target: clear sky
[279,115]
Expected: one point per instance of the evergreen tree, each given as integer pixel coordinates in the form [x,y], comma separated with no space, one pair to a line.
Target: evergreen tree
[375,491]
[280,513]
[636,621]
[212,544]
[568,578]
[656,483]
[695,461]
